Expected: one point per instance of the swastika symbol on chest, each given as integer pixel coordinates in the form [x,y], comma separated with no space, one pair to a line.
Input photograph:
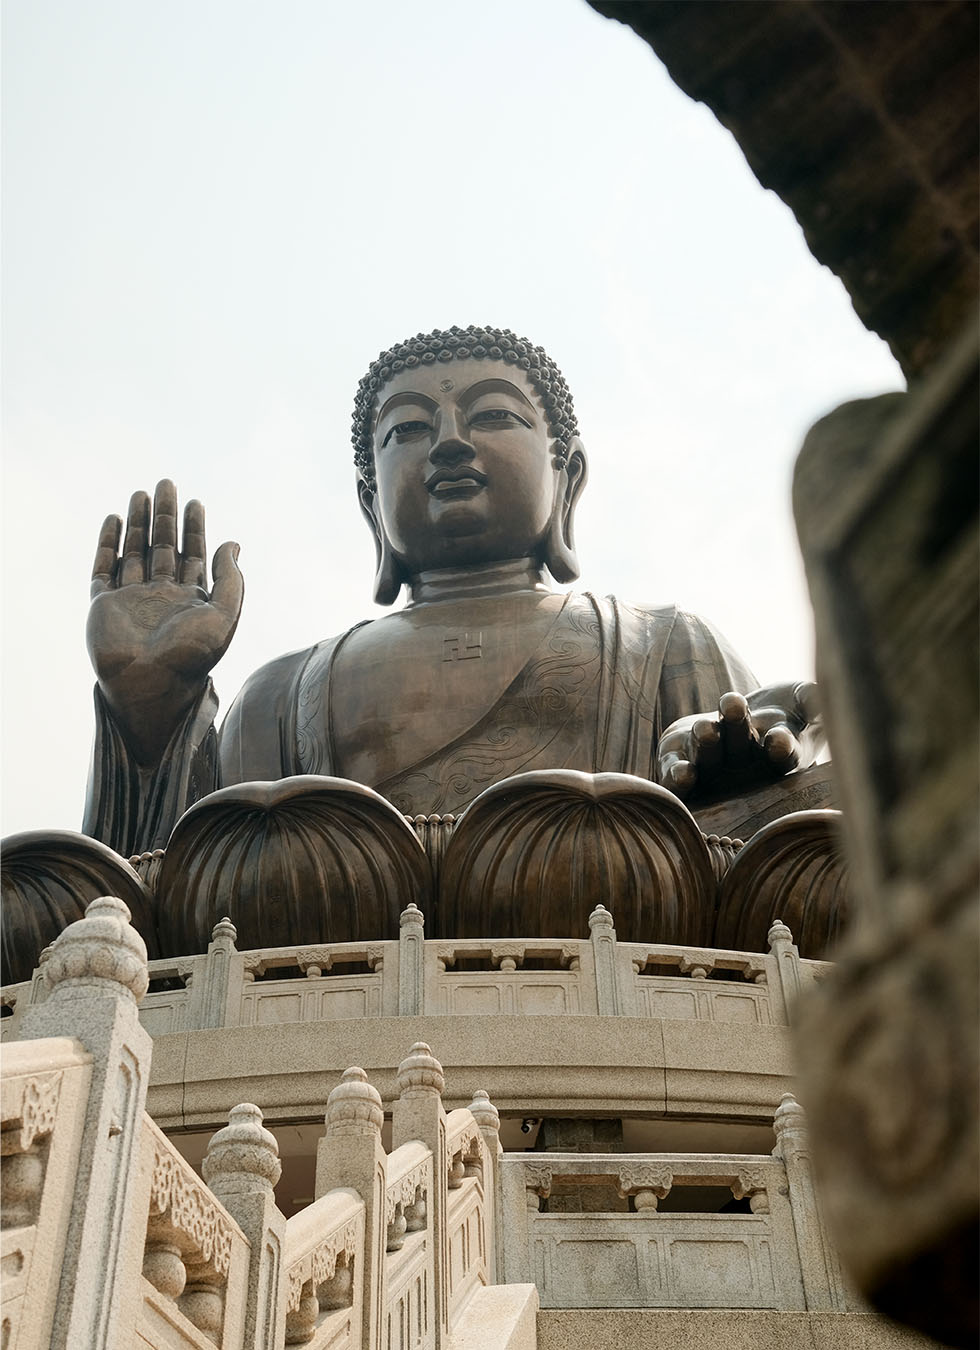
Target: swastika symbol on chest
[463,647]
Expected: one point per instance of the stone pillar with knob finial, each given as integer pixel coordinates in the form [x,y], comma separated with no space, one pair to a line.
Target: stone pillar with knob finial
[350,1155]
[487,1118]
[242,1166]
[216,994]
[417,1113]
[818,1267]
[603,936]
[96,975]
[411,954]
[786,956]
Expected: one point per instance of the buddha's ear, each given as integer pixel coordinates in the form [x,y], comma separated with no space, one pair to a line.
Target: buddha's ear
[560,556]
[388,575]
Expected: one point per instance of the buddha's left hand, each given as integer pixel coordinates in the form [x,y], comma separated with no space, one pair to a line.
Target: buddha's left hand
[753,739]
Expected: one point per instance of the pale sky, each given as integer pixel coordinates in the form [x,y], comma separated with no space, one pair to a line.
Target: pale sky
[216,212]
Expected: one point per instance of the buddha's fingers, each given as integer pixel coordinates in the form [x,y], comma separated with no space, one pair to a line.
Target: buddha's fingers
[707,751]
[163,553]
[132,567]
[797,704]
[783,750]
[194,552]
[229,584]
[106,555]
[738,736]
[674,767]
[807,700]
[681,778]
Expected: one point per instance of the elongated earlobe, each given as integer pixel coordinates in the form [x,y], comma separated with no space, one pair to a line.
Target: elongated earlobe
[559,551]
[388,577]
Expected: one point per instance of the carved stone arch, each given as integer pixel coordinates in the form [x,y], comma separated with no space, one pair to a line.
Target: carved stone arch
[302,861]
[47,877]
[533,856]
[793,870]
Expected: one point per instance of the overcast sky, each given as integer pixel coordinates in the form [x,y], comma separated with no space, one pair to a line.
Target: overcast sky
[216,212]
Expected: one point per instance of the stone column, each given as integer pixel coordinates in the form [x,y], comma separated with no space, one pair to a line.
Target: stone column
[817,1264]
[487,1117]
[785,988]
[39,983]
[96,974]
[241,1167]
[411,951]
[647,1183]
[417,1113]
[350,1155]
[216,994]
[604,961]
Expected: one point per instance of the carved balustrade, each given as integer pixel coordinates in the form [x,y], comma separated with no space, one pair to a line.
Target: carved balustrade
[196,1258]
[720,986]
[679,1245]
[391,1252]
[468,1235]
[13,999]
[396,1249]
[168,1005]
[323,1265]
[474,976]
[518,978]
[42,1111]
[320,982]
[410,1245]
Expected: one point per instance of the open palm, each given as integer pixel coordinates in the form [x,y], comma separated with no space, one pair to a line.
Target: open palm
[154,629]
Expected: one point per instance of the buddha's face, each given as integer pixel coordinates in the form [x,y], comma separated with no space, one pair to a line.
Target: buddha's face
[465,465]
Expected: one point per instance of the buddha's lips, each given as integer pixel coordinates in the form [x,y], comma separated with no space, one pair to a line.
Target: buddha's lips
[449,482]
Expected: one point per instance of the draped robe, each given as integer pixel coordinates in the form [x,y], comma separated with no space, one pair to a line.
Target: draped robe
[601,688]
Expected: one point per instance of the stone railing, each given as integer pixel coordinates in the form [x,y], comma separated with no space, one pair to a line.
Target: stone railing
[592,1252]
[111,1238]
[411,976]
[409,1242]
[468,1210]
[323,1258]
[195,1257]
[42,1111]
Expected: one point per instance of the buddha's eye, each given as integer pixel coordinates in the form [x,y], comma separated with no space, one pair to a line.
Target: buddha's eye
[497,416]
[401,429]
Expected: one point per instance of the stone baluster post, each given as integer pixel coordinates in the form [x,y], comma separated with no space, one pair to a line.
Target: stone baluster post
[39,980]
[350,1155]
[817,1263]
[487,1117]
[518,1205]
[216,993]
[784,990]
[417,1113]
[604,954]
[96,975]
[411,953]
[647,1183]
[203,1299]
[241,1167]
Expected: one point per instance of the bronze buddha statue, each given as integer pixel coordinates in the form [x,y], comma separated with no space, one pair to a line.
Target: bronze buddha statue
[469,468]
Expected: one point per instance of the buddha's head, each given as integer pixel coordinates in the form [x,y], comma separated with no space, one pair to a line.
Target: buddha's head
[467,453]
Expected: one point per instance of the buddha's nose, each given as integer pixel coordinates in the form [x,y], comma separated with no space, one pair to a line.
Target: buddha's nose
[451,442]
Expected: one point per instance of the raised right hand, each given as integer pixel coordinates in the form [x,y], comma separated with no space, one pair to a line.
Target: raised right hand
[154,631]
